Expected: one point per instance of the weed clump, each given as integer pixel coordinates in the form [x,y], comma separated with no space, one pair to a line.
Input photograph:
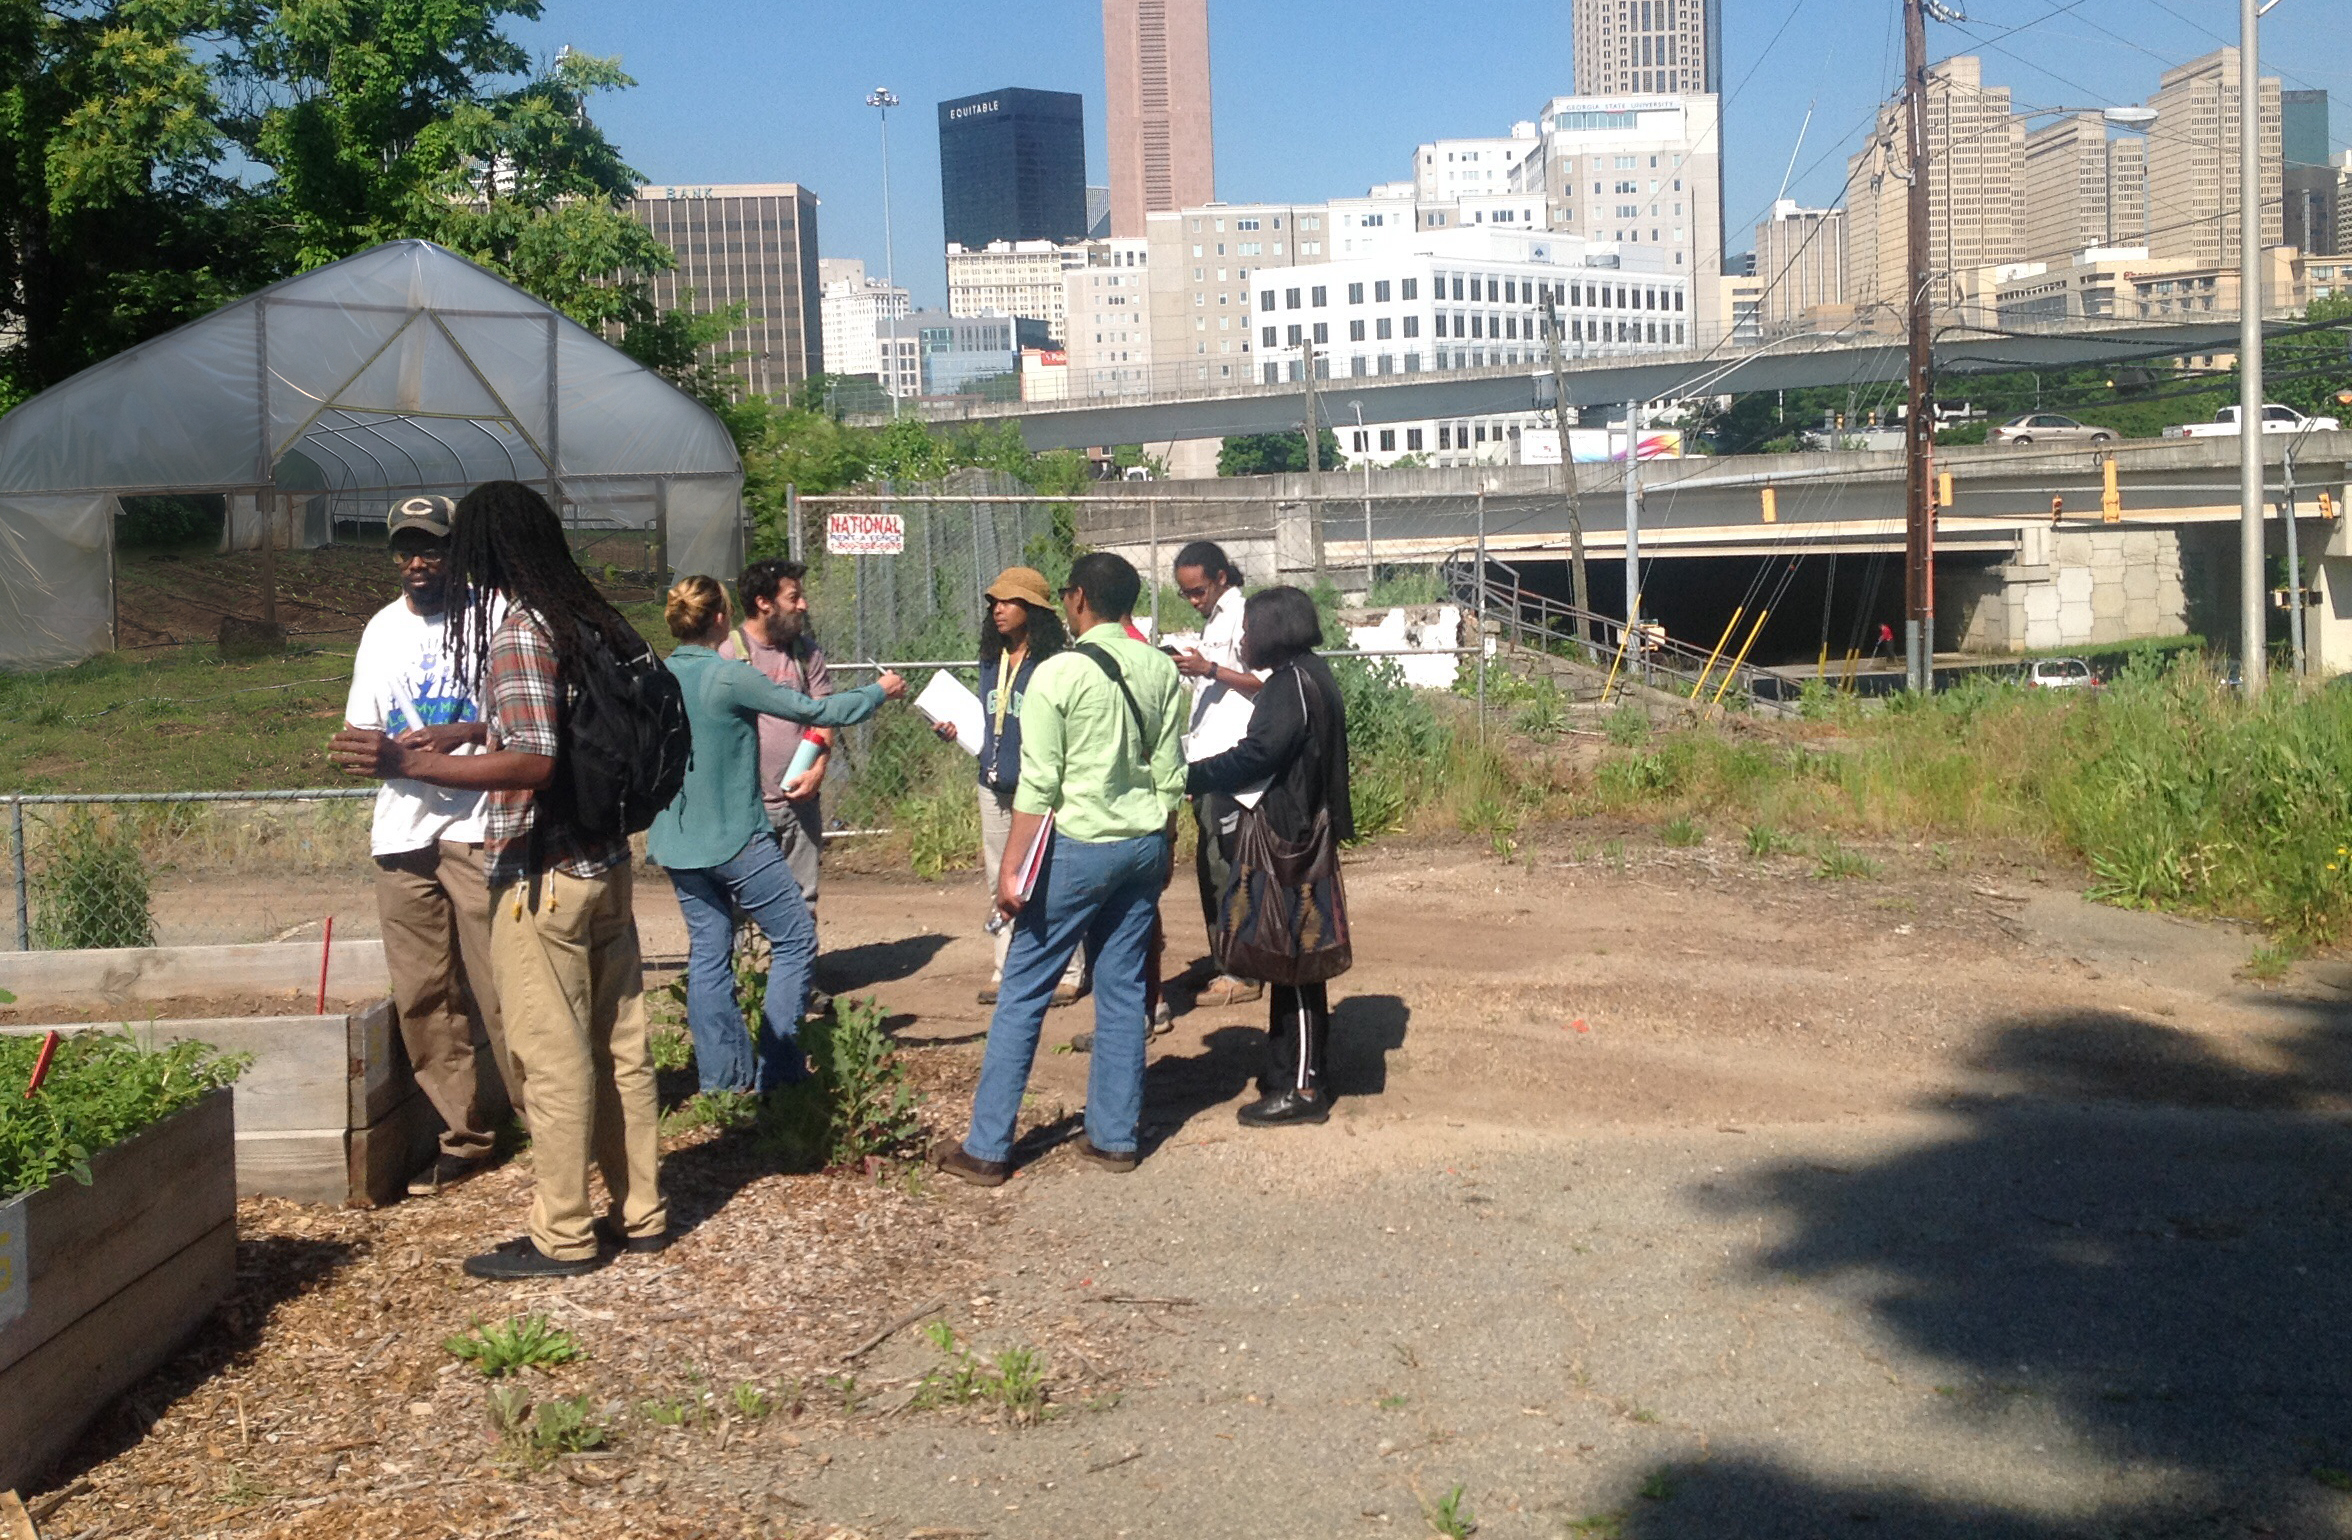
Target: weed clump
[506,1347]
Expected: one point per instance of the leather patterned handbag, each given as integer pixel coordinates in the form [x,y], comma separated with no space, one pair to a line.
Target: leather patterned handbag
[1283,916]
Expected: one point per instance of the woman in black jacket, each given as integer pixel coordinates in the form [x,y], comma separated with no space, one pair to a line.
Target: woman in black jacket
[1296,748]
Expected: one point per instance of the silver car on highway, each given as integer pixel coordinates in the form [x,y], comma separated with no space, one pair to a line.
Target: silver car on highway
[2050,428]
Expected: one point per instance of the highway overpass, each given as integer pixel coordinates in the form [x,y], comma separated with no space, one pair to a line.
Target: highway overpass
[1175,409]
[2011,574]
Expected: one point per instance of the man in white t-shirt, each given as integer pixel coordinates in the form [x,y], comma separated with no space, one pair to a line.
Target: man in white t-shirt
[1224,694]
[427,841]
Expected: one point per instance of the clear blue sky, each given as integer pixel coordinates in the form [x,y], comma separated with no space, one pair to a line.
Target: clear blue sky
[1316,98]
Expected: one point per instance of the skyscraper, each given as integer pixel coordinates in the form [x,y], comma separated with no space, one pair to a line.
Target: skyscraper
[2304,127]
[1648,47]
[753,244]
[1976,212]
[2193,162]
[1012,167]
[1156,75]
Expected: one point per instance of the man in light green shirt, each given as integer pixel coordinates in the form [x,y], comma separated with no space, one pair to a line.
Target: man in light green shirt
[1101,757]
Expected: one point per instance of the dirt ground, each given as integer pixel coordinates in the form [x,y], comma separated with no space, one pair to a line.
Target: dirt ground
[1670,1192]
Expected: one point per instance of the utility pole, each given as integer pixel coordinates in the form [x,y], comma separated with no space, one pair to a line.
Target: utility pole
[1633,495]
[1314,452]
[1579,584]
[2253,653]
[1918,480]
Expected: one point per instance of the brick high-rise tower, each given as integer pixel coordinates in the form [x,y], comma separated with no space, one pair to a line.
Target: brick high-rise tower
[1156,75]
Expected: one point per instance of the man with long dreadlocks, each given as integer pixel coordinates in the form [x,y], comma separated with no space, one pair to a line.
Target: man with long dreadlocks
[563,933]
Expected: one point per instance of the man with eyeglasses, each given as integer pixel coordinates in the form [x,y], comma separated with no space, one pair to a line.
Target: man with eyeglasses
[427,842]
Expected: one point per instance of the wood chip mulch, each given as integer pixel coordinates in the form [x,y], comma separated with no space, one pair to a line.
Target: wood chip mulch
[320,1402]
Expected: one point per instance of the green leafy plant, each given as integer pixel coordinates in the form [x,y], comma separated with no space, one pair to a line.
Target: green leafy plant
[751,1402]
[535,1437]
[521,1342]
[669,1414]
[89,888]
[1681,831]
[1627,726]
[1764,840]
[1451,1517]
[102,1088]
[1658,1487]
[672,1048]
[1013,1379]
[857,1104]
[1835,863]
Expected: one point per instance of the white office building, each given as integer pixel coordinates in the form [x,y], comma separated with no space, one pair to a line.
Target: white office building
[1459,168]
[851,304]
[1019,278]
[1464,299]
[1640,172]
[1108,305]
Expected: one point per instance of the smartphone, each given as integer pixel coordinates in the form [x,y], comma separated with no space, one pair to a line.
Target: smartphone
[1170,651]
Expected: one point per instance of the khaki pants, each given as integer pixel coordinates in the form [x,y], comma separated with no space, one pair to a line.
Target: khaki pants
[435,912]
[996,827]
[572,984]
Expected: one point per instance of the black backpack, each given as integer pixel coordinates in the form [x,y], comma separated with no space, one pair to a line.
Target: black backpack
[625,741]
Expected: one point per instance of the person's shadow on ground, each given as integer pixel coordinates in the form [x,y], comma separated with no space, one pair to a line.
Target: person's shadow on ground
[2149,1239]
[846,970]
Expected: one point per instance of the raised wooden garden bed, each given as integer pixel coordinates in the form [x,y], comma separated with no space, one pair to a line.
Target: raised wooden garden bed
[329,1112]
[103,1282]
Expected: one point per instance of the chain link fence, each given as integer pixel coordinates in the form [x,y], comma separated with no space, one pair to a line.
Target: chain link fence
[186,868]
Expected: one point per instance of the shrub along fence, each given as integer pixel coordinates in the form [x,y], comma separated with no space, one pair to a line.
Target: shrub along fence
[179,868]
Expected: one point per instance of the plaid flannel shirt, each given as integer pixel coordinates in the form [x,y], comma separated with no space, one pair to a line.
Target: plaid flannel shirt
[525,714]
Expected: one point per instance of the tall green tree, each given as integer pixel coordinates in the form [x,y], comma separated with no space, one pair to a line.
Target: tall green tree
[116,221]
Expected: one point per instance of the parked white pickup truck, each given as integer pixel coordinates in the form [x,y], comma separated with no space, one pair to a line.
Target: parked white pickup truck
[2275,419]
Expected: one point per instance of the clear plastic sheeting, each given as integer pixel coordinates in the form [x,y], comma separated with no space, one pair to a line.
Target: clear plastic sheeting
[56,578]
[404,369]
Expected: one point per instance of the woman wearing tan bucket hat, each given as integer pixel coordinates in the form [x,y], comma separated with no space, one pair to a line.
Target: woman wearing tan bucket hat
[1018,630]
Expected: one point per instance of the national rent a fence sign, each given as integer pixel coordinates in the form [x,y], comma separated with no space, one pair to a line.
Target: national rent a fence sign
[865,534]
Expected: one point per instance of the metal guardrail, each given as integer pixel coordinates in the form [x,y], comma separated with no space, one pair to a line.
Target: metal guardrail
[1537,622]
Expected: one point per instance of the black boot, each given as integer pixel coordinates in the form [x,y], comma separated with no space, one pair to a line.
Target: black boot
[1286,1106]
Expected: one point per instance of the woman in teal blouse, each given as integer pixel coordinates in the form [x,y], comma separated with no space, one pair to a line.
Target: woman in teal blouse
[715,842]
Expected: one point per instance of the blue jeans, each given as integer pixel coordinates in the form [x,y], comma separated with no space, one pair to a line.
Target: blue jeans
[1104,896]
[757,881]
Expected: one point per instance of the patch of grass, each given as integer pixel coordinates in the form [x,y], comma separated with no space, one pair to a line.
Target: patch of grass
[1014,1379]
[1627,726]
[102,1088]
[1835,863]
[535,1437]
[722,1110]
[1681,831]
[520,1342]
[261,724]
[671,1414]
[2272,961]
[1764,840]
[1390,1403]
[1602,1526]
[1658,1487]
[2328,1476]
[1451,1517]
[751,1402]
[1642,1414]
[241,1490]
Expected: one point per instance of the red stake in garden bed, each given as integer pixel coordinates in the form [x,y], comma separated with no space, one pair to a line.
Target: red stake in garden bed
[41,1064]
[326,953]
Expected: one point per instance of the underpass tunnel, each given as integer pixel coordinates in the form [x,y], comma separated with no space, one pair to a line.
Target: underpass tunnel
[1694,598]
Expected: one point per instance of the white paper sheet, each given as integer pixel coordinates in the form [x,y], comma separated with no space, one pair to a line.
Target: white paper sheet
[945,699]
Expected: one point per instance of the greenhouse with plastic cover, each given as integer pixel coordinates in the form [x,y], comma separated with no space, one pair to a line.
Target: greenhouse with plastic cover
[320,401]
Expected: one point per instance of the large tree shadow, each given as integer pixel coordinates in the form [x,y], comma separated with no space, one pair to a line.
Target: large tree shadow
[2153,1239]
